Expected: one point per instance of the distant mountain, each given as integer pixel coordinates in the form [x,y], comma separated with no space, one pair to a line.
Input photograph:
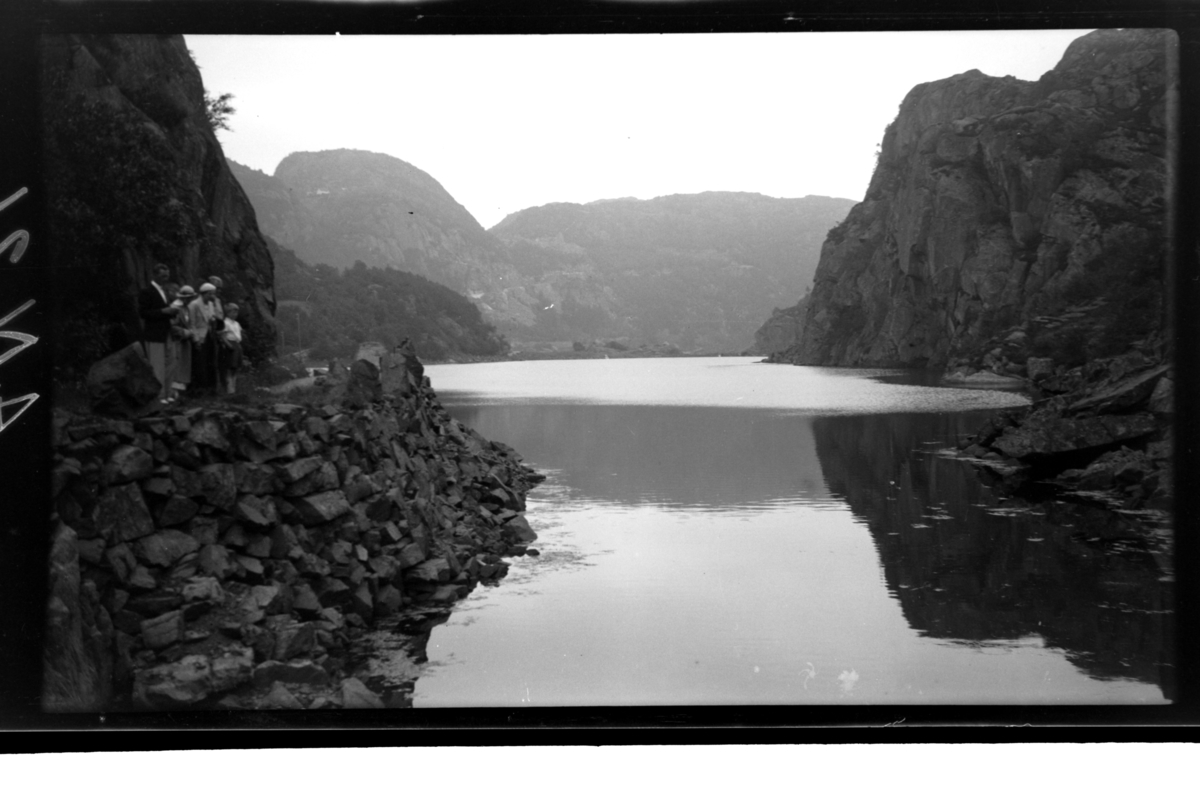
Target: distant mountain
[695,271]
[342,206]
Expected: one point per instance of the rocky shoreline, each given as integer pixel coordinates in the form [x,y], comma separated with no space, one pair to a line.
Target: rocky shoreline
[231,556]
[1099,433]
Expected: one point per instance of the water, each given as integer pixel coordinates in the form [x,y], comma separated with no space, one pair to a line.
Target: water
[719,531]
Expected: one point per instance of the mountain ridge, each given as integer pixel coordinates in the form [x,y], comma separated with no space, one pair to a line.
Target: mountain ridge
[688,270]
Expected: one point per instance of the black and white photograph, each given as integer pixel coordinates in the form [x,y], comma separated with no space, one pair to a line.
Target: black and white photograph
[816,370]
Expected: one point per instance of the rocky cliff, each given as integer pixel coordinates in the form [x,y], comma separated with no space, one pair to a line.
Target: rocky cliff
[231,557]
[134,175]
[1007,219]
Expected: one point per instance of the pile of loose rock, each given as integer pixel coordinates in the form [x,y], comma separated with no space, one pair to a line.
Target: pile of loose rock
[1101,431]
[222,548]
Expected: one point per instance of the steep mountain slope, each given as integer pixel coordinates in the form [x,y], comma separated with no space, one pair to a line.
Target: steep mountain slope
[339,207]
[695,270]
[135,175]
[329,313]
[1007,219]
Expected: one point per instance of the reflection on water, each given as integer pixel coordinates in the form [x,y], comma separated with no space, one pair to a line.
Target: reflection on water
[968,568]
[717,458]
[754,554]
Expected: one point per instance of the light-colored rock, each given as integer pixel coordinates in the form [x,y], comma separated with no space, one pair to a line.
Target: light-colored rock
[355,694]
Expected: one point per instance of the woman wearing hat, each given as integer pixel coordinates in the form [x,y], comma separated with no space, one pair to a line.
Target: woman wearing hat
[179,347]
[203,319]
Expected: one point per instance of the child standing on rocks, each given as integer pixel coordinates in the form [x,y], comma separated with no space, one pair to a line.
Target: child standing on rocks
[231,338]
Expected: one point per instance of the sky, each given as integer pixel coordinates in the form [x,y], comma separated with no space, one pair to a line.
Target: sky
[510,122]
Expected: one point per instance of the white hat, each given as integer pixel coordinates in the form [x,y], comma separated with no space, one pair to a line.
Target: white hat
[208,286]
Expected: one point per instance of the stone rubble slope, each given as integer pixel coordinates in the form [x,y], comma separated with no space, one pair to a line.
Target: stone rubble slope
[219,548]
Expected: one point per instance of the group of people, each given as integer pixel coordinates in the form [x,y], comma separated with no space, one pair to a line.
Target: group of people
[193,341]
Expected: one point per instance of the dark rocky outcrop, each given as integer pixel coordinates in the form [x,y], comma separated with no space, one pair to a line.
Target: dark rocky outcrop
[123,382]
[1007,219]
[782,330]
[134,175]
[1102,431]
[234,553]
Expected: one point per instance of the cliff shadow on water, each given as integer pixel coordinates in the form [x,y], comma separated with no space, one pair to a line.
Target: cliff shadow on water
[972,566]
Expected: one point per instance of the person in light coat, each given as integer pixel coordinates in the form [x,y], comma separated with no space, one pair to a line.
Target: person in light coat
[179,345]
[205,325]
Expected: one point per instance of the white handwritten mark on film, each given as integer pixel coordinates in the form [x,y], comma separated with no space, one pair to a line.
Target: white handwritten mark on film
[19,241]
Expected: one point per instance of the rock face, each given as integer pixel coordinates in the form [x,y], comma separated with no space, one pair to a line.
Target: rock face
[221,549]
[1007,219]
[1100,431]
[135,175]
[123,382]
[782,330]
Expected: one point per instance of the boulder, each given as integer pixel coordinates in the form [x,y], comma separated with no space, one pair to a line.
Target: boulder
[301,671]
[322,479]
[123,382]
[128,463]
[321,507]
[305,602]
[362,387]
[1046,433]
[256,511]
[295,640]
[210,432]
[173,686]
[192,679]
[355,694]
[164,630]
[1126,394]
[121,514]
[214,560]
[298,469]
[254,478]
[218,485]
[410,555]
[280,698]
[177,510]
[1039,368]
[388,601]
[232,668]
[518,530]
[431,570]
[202,588]
[1162,400]
[165,548]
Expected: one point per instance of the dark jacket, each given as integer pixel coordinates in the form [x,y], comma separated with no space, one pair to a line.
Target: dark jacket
[156,326]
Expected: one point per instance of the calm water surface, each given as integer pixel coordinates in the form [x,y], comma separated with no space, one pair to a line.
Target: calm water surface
[720,531]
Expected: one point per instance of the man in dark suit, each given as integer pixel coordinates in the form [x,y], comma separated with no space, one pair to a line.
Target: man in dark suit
[155,311]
